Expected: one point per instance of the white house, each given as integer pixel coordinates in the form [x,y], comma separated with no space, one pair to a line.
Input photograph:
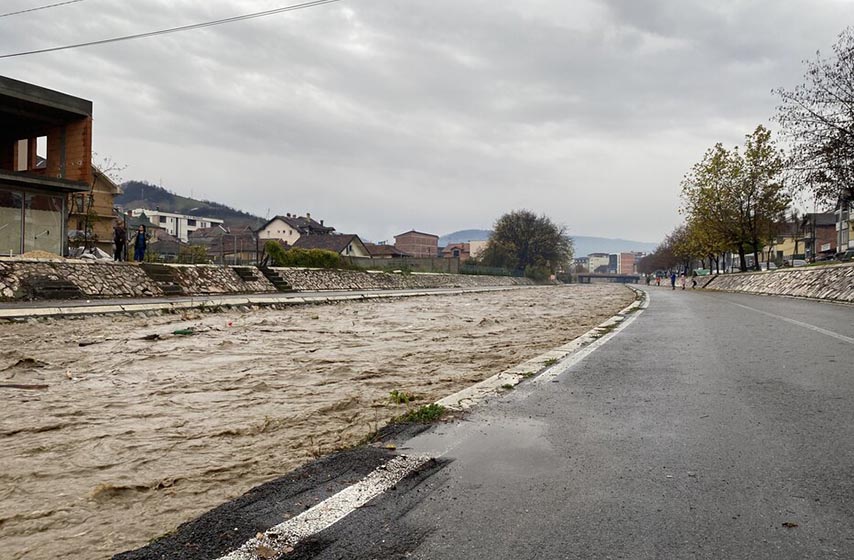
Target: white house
[289,228]
[178,225]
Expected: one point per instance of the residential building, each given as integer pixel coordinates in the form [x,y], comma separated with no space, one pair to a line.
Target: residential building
[346,245]
[581,264]
[418,244]
[844,237]
[461,251]
[290,227]
[37,121]
[476,248]
[229,246]
[91,215]
[627,263]
[598,262]
[163,246]
[819,235]
[177,225]
[384,251]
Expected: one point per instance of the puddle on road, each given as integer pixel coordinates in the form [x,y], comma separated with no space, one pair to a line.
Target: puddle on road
[137,433]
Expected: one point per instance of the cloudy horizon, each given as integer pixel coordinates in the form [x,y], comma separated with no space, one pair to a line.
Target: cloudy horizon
[381,116]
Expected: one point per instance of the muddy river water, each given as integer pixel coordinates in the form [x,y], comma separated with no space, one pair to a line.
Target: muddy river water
[127,429]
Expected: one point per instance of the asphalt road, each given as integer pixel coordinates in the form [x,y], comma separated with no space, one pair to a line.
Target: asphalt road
[714,426]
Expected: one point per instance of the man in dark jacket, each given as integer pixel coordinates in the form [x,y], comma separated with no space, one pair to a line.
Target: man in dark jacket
[120,240]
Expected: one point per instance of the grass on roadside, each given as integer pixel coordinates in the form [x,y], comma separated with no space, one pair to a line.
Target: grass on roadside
[427,414]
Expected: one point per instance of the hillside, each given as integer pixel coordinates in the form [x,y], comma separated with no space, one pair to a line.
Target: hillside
[139,194]
[584,245]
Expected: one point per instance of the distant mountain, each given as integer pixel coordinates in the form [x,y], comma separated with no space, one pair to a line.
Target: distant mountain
[584,245]
[139,194]
[464,236]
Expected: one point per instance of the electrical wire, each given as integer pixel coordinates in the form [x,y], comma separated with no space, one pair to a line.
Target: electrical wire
[40,8]
[177,29]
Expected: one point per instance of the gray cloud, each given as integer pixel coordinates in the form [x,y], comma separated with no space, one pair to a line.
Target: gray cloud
[382,115]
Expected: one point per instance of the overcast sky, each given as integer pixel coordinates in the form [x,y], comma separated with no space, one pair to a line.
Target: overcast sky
[386,115]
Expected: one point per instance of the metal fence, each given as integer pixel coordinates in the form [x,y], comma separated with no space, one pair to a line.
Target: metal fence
[489,271]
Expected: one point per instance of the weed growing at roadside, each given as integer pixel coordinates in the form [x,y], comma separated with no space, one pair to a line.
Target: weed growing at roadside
[550,362]
[427,414]
[507,386]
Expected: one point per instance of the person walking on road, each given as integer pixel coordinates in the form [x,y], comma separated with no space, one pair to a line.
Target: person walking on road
[683,280]
[672,280]
[120,240]
[139,243]
[658,280]
[694,280]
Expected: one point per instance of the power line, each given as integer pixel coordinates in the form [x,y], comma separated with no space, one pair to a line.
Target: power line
[40,8]
[177,29]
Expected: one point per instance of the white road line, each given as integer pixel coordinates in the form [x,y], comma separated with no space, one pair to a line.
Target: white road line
[283,537]
[826,332]
[564,365]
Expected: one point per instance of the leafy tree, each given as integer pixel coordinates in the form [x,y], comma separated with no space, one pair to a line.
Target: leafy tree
[663,258]
[818,119]
[523,241]
[709,201]
[762,192]
[734,201]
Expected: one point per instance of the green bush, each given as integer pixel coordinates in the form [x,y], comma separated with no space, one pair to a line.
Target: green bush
[309,258]
[537,273]
[276,253]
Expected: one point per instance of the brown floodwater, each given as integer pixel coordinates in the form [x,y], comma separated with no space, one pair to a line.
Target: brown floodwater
[127,430]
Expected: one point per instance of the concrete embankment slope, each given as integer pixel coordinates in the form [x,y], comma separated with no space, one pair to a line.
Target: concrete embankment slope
[831,283]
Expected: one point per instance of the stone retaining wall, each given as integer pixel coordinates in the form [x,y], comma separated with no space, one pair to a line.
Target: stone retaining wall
[104,280]
[302,279]
[210,279]
[833,282]
[93,279]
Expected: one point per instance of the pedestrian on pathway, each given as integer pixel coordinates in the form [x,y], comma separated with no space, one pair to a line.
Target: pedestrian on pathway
[672,280]
[120,241]
[693,279]
[683,280]
[658,280]
[139,244]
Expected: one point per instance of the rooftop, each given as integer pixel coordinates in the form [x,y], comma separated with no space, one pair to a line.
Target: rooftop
[335,242]
[27,109]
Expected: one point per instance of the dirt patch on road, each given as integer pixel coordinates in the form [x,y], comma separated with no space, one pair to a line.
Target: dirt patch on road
[119,428]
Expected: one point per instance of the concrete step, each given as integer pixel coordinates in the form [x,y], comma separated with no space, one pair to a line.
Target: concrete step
[276,279]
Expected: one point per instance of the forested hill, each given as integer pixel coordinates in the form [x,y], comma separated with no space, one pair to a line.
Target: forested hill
[139,194]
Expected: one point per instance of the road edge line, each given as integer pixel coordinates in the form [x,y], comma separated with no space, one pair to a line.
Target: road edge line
[282,538]
[550,364]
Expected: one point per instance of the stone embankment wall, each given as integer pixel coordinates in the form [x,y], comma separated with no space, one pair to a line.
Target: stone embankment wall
[210,279]
[302,279]
[93,279]
[20,277]
[833,283]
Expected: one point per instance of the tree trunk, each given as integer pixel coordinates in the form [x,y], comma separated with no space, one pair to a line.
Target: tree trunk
[755,243]
[742,259]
